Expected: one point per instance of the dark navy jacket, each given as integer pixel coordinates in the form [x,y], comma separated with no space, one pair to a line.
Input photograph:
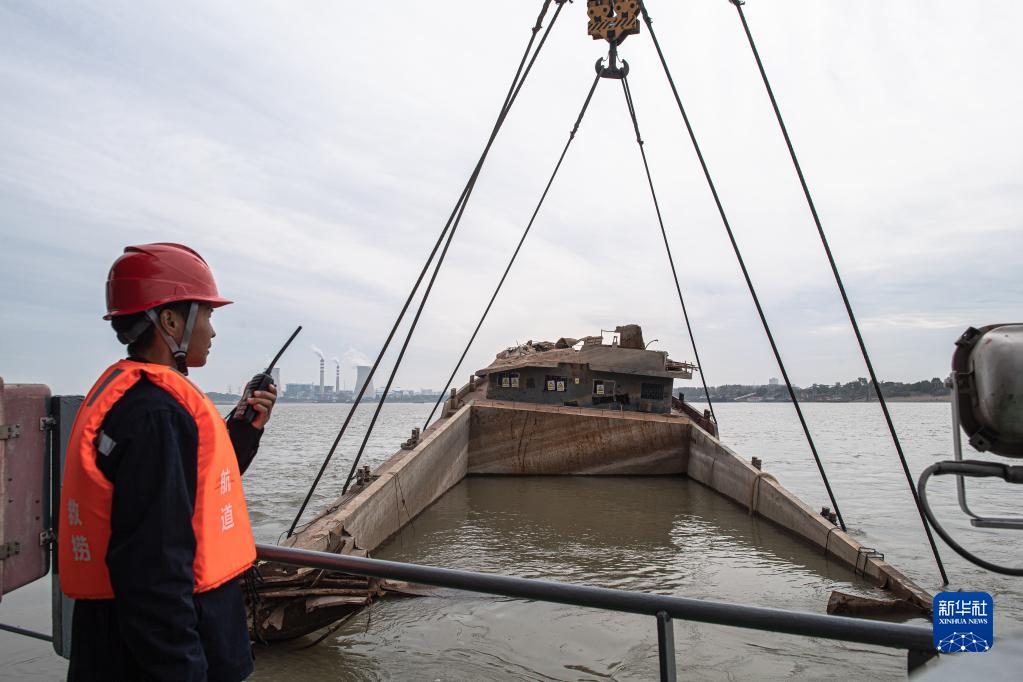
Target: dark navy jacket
[157,628]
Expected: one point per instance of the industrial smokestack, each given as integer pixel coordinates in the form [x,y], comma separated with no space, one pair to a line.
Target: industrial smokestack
[337,377]
[319,353]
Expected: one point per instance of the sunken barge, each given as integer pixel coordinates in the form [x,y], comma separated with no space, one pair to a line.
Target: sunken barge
[570,407]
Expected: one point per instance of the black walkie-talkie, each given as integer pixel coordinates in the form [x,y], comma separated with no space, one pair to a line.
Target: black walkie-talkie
[260,382]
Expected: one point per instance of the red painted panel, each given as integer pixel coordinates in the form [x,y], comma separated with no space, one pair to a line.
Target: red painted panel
[22,485]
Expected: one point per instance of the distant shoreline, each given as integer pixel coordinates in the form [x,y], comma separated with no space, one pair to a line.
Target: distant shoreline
[892,399]
[861,390]
[694,401]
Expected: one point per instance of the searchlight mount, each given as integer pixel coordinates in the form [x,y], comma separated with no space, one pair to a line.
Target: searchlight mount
[987,404]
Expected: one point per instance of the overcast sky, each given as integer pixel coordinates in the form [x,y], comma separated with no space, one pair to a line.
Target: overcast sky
[312,151]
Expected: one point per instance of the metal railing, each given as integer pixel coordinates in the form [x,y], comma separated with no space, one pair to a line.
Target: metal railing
[915,639]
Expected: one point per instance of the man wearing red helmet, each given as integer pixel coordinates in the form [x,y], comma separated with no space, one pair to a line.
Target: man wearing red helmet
[154,530]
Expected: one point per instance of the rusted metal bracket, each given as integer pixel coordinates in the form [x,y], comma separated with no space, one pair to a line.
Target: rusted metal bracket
[9,549]
[47,423]
[866,553]
[364,476]
[10,431]
[412,442]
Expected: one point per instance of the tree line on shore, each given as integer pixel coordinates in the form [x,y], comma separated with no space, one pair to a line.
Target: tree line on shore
[859,390]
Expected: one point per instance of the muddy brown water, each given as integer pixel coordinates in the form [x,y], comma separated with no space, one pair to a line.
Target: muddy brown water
[664,535]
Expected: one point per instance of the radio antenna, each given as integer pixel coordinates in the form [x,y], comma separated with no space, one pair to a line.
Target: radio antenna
[283,348]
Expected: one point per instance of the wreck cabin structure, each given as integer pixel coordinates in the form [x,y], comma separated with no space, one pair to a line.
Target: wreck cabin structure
[587,373]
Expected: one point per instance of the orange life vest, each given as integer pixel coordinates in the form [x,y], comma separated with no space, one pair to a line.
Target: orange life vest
[224,544]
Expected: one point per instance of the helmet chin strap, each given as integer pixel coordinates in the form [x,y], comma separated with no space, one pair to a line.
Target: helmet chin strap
[180,351]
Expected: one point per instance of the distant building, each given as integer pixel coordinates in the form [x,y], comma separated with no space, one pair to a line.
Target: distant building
[276,374]
[622,376]
[301,391]
[773,381]
[399,393]
[363,376]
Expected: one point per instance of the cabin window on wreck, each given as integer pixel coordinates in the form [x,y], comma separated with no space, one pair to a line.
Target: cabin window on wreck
[603,388]
[530,382]
[652,391]
[555,384]
[508,380]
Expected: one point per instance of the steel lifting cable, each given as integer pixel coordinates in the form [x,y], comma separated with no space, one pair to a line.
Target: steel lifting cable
[742,264]
[841,288]
[509,98]
[443,254]
[664,234]
[532,219]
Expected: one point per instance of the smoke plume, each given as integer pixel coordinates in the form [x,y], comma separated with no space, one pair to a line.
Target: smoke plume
[356,357]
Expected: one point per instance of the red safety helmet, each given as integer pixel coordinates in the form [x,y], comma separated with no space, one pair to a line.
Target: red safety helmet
[152,275]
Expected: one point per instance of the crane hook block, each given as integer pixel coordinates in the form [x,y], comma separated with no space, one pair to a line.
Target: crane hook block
[613,20]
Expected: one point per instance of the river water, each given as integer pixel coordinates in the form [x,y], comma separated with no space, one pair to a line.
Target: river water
[663,535]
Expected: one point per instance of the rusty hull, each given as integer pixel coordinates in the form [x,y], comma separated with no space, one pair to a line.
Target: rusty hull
[480,436]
